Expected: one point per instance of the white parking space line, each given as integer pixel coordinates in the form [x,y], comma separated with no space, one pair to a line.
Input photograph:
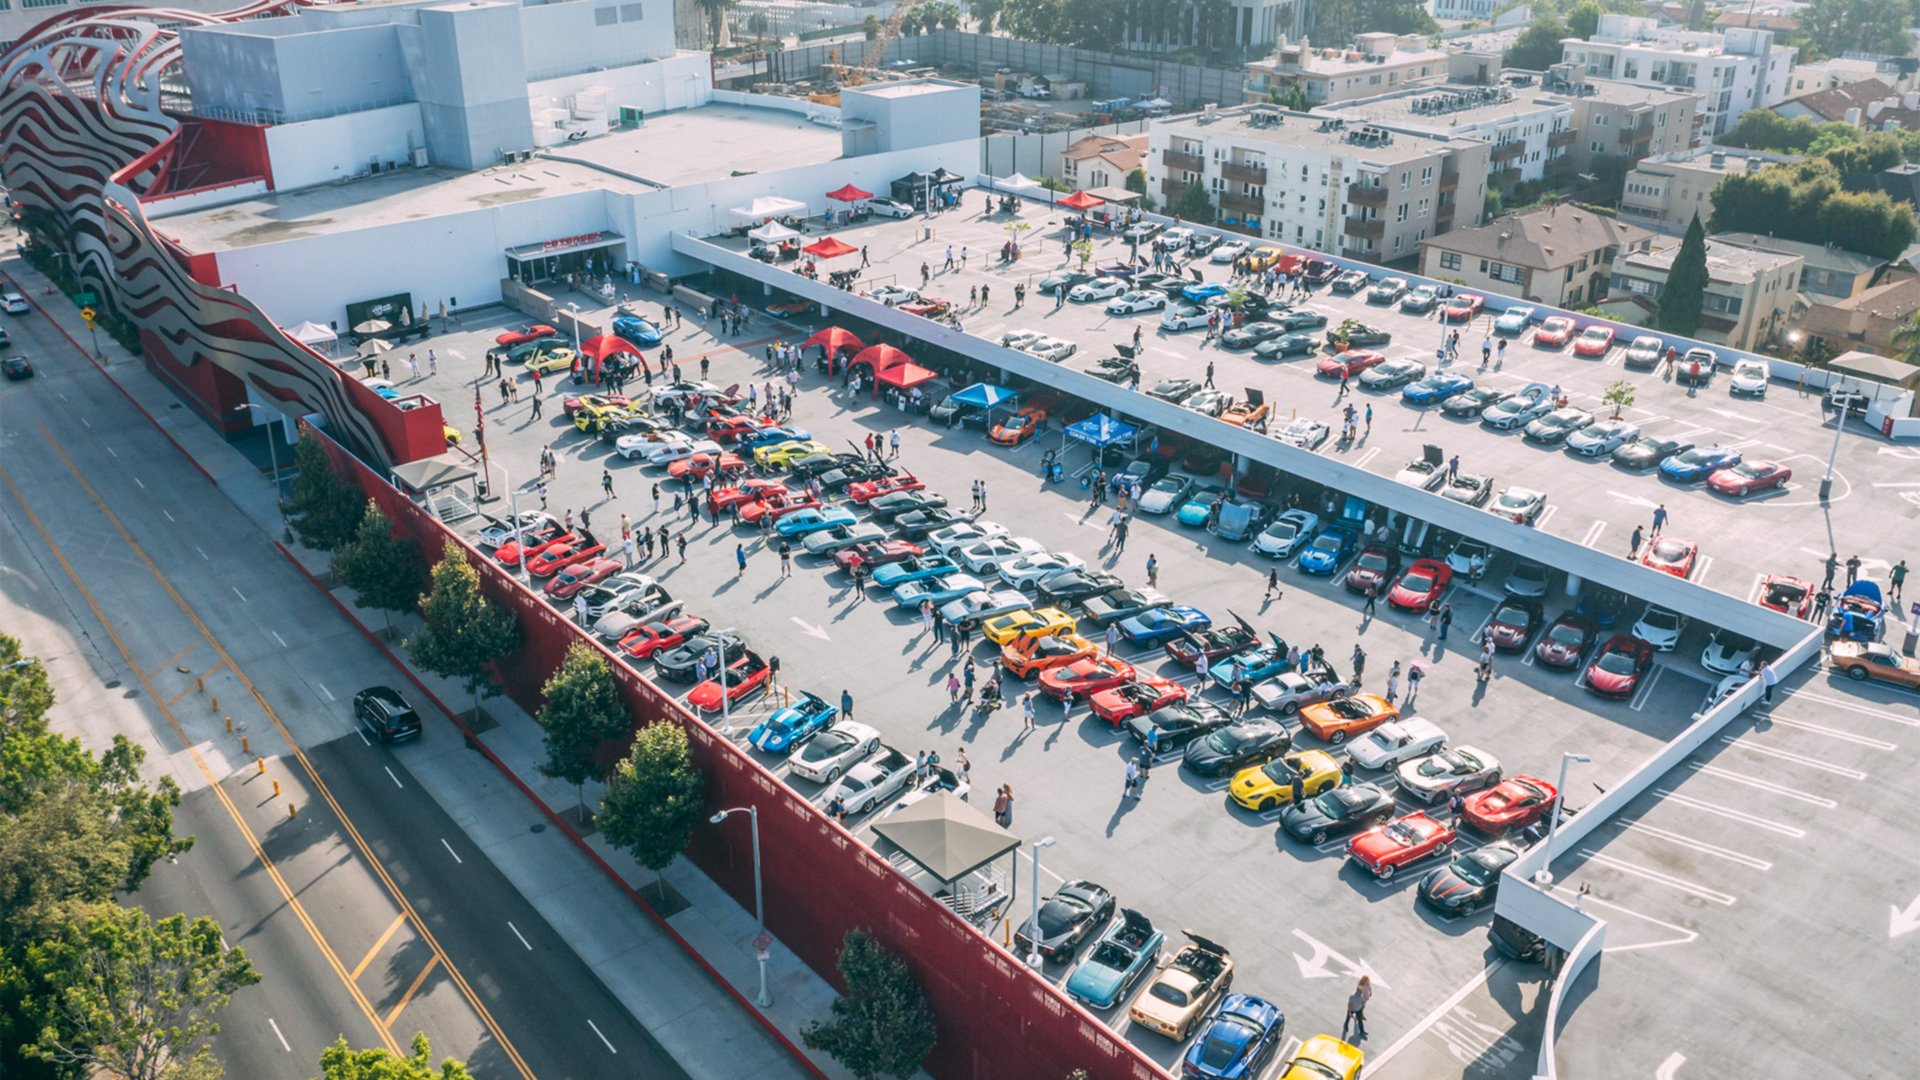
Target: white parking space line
[603,1038]
[397,783]
[1696,845]
[238,593]
[1593,533]
[137,483]
[363,737]
[518,934]
[278,638]
[1366,457]
[1856,707]
[449,847]
[1691,888]
[111,454]
[1834,733]
[1753,591]
[1434,1017]
[1731,814]
[277,1035]
[1764,785]
[1700,575]
[327,692]
[1800,759]
[1646,688]
[1546,516]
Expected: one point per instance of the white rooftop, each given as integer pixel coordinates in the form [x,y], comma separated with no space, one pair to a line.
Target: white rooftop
[1316,131]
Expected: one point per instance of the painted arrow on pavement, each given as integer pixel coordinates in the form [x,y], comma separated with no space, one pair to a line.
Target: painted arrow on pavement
[1904,921]
[1315,966]
[809,629]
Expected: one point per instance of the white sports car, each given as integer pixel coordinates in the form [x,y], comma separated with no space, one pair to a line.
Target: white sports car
[637,445]
[1184,317]
[1134,303]
[1304,432]
[895,294]
[1436,776]
[1019,339]
[871,783]
[1396,741]
[980,605]
[1228,252]
[1519,505]
[954,537]
[1659,628]
[985,555]
[1026,571]
[1287,533]
[1050,348]
[666,453]
[1750,378]
[1603,438]
[1105,288]
[1287,693]
[824,757]
[501,532]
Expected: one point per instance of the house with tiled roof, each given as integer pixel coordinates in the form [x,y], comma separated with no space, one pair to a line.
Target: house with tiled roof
[1102,160]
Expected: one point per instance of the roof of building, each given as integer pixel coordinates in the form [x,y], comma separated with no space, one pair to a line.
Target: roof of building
[1833,103]
[1543,239]
[1896,299]
[1720,159]
[1760,19]
[1125,152]
[1443,108]
[1321,132]
[1727,263]
[1367,54]
[1824,256]
[1615,92]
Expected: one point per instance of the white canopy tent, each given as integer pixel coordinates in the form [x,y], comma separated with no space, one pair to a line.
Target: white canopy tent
[769,206]
[773,233]
[314,335]
[1018,182]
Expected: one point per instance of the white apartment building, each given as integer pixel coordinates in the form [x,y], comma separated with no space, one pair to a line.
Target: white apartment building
[1360,190]
[1374,64]
[1530,135]
[1733,70]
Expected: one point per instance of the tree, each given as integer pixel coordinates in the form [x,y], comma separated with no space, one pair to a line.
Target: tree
[1335,22]
[1136,181]
[870,27]
[757,23]
[1906,341]
[1083,250]
[464,632]
[342,1062]
[1620,396]
[1764,129]
[1192,203]
[325,508]
[882,1027]
[1686,284]
[654,798]
[1035,20]
[1538,46]
[582,711]
[136,998]
[1584,20]
[984,12]
[716,13]
[383,570]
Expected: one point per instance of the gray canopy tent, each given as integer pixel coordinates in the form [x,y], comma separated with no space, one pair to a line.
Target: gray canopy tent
[952,842]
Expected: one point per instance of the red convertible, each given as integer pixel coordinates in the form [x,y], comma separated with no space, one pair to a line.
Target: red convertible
[1554,332]
[1389,848]
[1513,623]
[865,491]
[926,307]
[1463,308]
[1566,641]
[1348,364]
[1123,703]
[1671,555]
[533,332]
[1748,477]
[746,677]
[1787,595]
[877,553]
[744,492]
[699,465]
[777,506]
[1421,585]
[655,636]
[1084,678]
[1511,804]
[536,539]
[580,575]
[1619,666]
[560,556]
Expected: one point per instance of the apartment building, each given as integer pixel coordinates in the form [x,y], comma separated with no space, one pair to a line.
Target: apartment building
[1667,190]
[1617,124]
[1867,320]
[1839,71]
[1734,70]
[1374,64]
[1750,291]
[1562,255]
[1827,273]
[1529,135]
[1102,160]
[1366,191]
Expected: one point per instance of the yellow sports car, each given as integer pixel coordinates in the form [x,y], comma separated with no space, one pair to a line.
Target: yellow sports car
[589,416]
[1324,1057]
[1006,628]
[1264,787]
[551,362]
[781,455]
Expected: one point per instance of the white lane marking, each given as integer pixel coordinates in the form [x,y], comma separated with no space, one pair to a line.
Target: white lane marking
[1731,814]
[1807,762]
[603,1038]
[85,421]
[401,786]
[1670,1066]
[278,638]
[1753,590]
[136,480]
[443,840]
[1700,575]
[1697,845]
[1024,853]
[1366,456]
[1646,688]
[518,934]
[1701,891]
[363,736]
[169,517]
[1593,533]
[1835,733]
[1690,433]
[277,1035]
[1907,484]
[111,454]
[1434,1017]
[238,593]
[1764,785]
[1854,706]
[1546,516]
[327,692]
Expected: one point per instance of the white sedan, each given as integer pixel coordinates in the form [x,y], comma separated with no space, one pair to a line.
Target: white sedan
[1184,317]
[1750,378]
[1228,252]
[954,537]
[889,208]
[684,394]
[1051,349]
[1105,288]
[666,453]
[895,294]
[1134,303]
[988,555]
[824,757]
[1304,432]
[1396,741]
[1026,571]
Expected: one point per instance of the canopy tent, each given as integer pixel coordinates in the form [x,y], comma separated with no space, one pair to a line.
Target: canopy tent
[1018,182]
[881,357]
[1080,200]
[948,837]
[831,247]
[1099,431]
[942,177]
[983,396]
[911,189]
[906,376]
[601,346]
[849,193]
[773,233]
[769,206]
[312,333]
[833,339]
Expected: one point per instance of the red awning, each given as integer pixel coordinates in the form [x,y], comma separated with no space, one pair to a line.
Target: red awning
[849,194]
[1080,200]
[906,376]
[833,339]
[882,357]
[829,248]
[605,345]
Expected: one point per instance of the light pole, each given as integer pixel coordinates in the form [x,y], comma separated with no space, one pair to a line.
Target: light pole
[1544,875]
[720,651]
[761,941]
[1839,425]
[1034,959]
[273,450]
[513,508]
[25,661]
[575,309]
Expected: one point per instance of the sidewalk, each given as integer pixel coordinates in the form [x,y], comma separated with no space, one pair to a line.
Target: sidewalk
[689,981]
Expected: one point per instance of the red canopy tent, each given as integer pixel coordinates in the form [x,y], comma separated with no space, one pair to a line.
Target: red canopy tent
[849,194]
[881,357]
[829,248]
[599,348]
[906,376]
[833,339]
[1080,200]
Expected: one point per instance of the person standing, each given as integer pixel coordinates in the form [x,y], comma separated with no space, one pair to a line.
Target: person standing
[1026,710]
[1486,660]
[1003,807]
[1633,546]
[1298,792]
[1446,620]
[1768,679]
[1896,577]
[606,483]
[786,559]
[1393,682]
[1659,518]
[1373,597]
[682,538]
[1153,568]
[1357,1009]
[1133,780]
[1113,639]
[894,439]
[1414,674]
[953,688]
[846,704]
[1359,663]
[1066,707]
[1369,418]
[1832,564]
[1273,584]
[1853,569]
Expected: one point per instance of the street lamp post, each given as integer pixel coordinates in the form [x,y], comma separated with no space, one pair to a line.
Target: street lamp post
[513,508]
[575,309]
[1544,875]
[1034,959]
[761,941]
[1839,425]
[273,450]
[720,651]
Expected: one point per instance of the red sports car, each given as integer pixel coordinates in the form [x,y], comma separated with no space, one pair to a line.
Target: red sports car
[573,405]
[1553,332]
[746,491]
[580,575]
[1376,566]
[727,427]
[560,556]
[699,465]
[1084,678]
[1385,850]
[1619,665]
[1123,703]
[1513,623]
[777,506]
[533,332]
[655,636]
[865,491]
[1671,555]
[1593,341]
[875,554]
[926,306]
[1463,308]
[1421,585]
[1566,641]
[1748,477]
[1348,364]
[1510,804]
[1788,595]
[746,677]
[536,538]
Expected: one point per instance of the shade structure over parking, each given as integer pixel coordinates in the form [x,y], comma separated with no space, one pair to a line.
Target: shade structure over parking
[849,193]
[768,206]
[831,247]
[1080,200]
[1100,431]
[772,233]
[983,396]
[946,836]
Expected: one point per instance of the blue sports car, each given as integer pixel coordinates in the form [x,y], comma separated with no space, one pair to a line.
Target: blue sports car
[1695,465]
[1199,509]
[792,725]
[1236,1042]
[1161,625]
[1514,320]
[1257,666]
[637,330]
[812,520]
[1129,950]
[772,436]
[1203,291]
[939,590]
[1436,388]
[918,568]
[1329,550]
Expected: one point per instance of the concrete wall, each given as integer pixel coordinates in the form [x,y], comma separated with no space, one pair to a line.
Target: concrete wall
[472,87]
[1039,155]
[199,198]
[319,151]
[682,81]
[935,112]
[585,34]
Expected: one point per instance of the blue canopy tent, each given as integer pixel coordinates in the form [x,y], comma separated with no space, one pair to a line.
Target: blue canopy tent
[982,396]
[1099,432]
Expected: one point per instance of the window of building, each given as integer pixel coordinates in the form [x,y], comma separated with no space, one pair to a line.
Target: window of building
[1631,70]
[1398,242]
[1406,180]
[1400,212]
[1599,119]
[606,16]
[1426,176]
[1188,177]
[1660,120]
[630,13]
[1218,185]
[1425,205]
[1449,260]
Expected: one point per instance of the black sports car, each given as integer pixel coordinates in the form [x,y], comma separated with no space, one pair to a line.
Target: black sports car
[1174,390]
[1469,882]
[838,479]
[918,523]
[1646,452]
[16,368]
[1075,586]
[1472,402]
[1341,810]
[1179,724]
[1253,333]
[1122,604]
[1239,746]
[1115,370]
[1358,334]
[1287,345]
[816,464]
[679,664]
[899,503]
[1065,919]
[1302,319]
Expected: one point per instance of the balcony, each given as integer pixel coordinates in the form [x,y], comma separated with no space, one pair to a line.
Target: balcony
[1172,186]
[1629,134]
[1175,160]
[1235,203]
[1366,228]
[1248,174]
[1507,151]
[1357,255]
[1449,181]
[1504,177]
[1443,214]
[1240,227]
[1563,137]
[1367,195]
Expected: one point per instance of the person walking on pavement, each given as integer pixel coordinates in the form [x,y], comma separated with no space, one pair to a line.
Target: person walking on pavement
[1633,546]
[1273,584]
[786,559]
[846,704]
[1359,664]
[1133,780]
[1373,596]
[1659,518]
[1896,577]
[1209,374]
[1026,710]
[1820,601]
[1393,682]
[1414,674]
[1853,569]
[1153,572]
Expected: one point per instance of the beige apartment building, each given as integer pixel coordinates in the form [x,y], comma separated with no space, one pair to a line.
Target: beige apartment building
[1562,255]
[1750,291]
[1374,64]
[1618,124]
[1667,190]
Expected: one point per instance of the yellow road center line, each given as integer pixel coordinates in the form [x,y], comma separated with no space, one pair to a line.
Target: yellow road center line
[399,921]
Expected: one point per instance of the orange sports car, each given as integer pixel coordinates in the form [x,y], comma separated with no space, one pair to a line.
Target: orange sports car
[1248,412]
[1023,424]
[1342,717]
[1026,657]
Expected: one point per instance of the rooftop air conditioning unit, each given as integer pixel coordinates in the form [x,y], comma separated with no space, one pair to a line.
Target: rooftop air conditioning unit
[419,157]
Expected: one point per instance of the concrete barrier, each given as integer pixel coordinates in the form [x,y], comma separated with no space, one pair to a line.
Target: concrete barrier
[1585,952]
